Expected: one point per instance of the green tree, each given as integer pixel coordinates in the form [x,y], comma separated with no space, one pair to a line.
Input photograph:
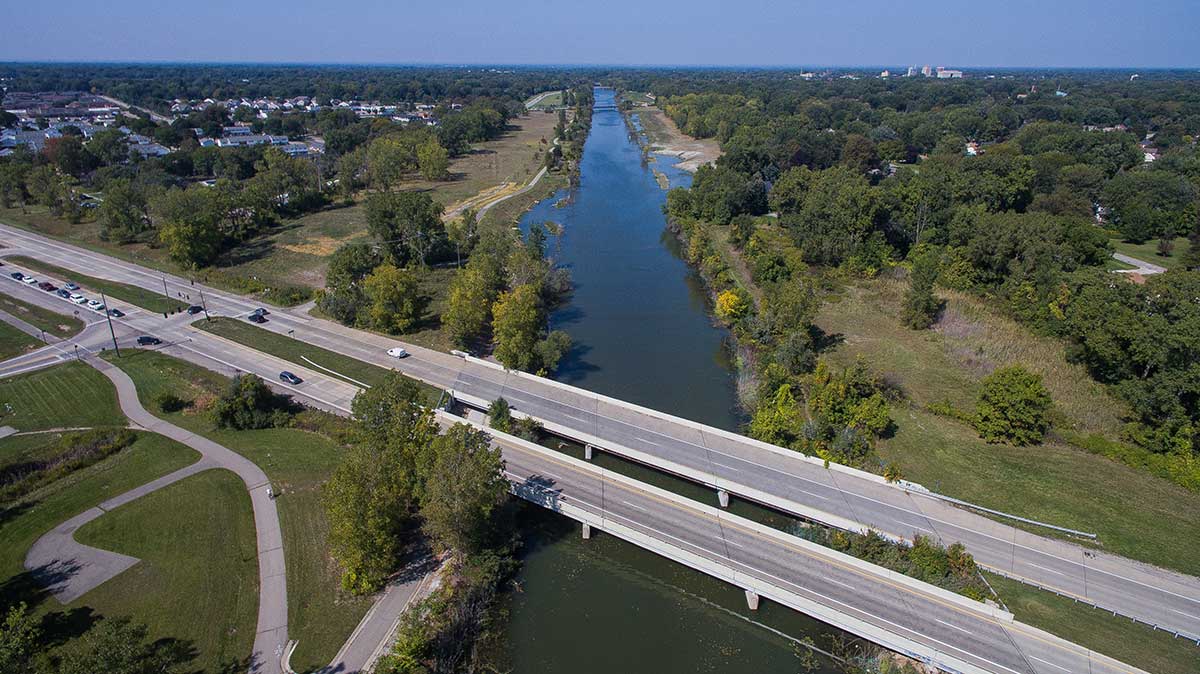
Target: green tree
[19,637]
[388,159]
[395,300]
[433,160]
[249,403]
[467,485]
[191,225]
[921,306]
[500,415]
[517,323]
[407,225]
[109,148]
[118,646]
[777,419]
[124,214]
[1013,407]
[469,309]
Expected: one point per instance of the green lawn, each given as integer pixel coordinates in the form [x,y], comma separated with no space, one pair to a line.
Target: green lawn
[294,350]
[550,100]
[1116,637]
[13,342]
[1148,251]
[53,322]
[64,396]
[320,615]
[209,599]
[146,299]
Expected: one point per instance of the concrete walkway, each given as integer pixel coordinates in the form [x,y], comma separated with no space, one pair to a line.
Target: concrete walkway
[1142,267]
[72,569]
[27,328]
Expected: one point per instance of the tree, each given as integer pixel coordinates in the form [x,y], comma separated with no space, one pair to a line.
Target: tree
[388,159]
[433,160]
[467,484]
[838,217]
[249,403]
[118,646]
[407,225]
[500,415]
[517,322]
[921,306]
[1151,204]
[859,153]
[778,419]
[395,298]
[124,214]
[469,308]
[731,306]
[1013,407]
[109,148]
[191,225]
[19,637]
[462,232]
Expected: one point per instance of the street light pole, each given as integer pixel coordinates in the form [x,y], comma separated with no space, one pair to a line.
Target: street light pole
[165,293]
[203,304]
[111,331]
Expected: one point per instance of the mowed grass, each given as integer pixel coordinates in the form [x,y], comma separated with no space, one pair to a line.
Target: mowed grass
[1148,251]
[1132,643]
[146,299]
[64,396]
[294,350]
[14,342]
[320,615]
[53,322]
[208,599]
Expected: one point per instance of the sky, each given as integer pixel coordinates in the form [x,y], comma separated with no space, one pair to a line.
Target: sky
[966,33]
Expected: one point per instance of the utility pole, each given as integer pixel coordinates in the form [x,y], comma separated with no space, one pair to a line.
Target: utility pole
[165,293]
[203,304]
[111,331]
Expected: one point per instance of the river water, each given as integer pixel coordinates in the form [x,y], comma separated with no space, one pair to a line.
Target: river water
[640,322]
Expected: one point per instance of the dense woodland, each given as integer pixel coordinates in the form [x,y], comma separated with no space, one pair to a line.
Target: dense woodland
[864,176]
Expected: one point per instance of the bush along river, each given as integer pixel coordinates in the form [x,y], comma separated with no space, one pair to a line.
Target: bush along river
[641,327]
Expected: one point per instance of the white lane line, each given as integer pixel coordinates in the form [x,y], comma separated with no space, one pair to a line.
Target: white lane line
[634,505]
[1195,617]
[1044,568]
[838,582]
[823,498]
[1047,662]
[952,626]
[718,463]
[634,437]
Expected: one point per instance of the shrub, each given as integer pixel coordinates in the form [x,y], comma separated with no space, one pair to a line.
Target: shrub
[1013,407]
[249,403]
[169,402]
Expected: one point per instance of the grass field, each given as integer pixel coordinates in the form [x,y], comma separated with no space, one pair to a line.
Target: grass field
[146,299]
[295,351]
[320,615]
[64,396]
[54,323]
[1148,251]
[209,599]
[547,102]
[13,342]
[1116,637]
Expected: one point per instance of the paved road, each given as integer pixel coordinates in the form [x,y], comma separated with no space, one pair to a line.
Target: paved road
[1140,266]
[783,479]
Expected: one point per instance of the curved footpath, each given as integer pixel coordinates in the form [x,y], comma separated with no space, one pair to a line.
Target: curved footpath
[72,569]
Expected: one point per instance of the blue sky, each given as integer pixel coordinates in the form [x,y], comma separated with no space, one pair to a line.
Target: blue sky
[1017,33]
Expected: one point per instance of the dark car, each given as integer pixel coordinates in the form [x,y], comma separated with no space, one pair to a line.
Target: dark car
[47,286]
[256,318]
[147,340]
[116,313]
[261,312]
[289,378]
[17,275]
[195,309]
[63,292]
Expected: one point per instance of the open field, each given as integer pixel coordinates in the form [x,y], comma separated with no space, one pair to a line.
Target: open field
[13,342]
[320,615]
[295,351]
[54,323]
[65,396]
[545,100]
[208,513]
[1150,650]
[122,292]
[1148,251]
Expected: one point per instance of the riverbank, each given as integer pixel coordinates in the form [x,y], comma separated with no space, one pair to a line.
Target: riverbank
[665,138]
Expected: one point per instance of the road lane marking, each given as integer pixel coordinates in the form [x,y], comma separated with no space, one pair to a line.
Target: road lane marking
[838,582]
[1195,617]
[1045,568]
[1047,662]
[718,463]
[952,626]
[634,505]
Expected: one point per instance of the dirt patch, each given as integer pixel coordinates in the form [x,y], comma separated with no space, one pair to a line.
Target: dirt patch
[666,139]
[319,246]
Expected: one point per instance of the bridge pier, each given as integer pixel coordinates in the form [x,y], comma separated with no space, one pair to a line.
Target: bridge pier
[587,531]
[587,452]
[723,498]
[752,600]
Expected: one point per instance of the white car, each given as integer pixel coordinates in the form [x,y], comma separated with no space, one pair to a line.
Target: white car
[78,299]
[29,281]
[95,304]
[397,352]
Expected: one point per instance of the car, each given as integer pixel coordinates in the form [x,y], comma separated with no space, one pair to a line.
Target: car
[148,340]
[70,285]
[116,313]
[256,318]
[29,280]
[261,312]
[289,378]
[17,276]
[47,286]
[194,309]
[95,304]
[63,293]
[78,299]
[397,352]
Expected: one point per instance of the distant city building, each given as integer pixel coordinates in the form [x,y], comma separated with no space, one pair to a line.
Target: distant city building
[248,140]
[926,71]
[912,71]
[885,74]
[946,73]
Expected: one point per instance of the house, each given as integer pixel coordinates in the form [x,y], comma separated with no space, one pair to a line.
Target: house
[248,140]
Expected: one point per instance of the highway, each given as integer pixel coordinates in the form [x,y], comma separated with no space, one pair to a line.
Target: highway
[902,614]
[741,466]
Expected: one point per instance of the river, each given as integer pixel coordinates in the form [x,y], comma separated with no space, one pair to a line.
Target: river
[642,332]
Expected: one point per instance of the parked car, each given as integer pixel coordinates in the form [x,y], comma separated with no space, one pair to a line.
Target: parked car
[70,285]
[17,275]
[95,304]
[47,286]
[289,378]
[194,309]
[261,312]
[29,280]
[63,293]
[397,352]
[256,318]
[78,299]
[116,313]
[147,340]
